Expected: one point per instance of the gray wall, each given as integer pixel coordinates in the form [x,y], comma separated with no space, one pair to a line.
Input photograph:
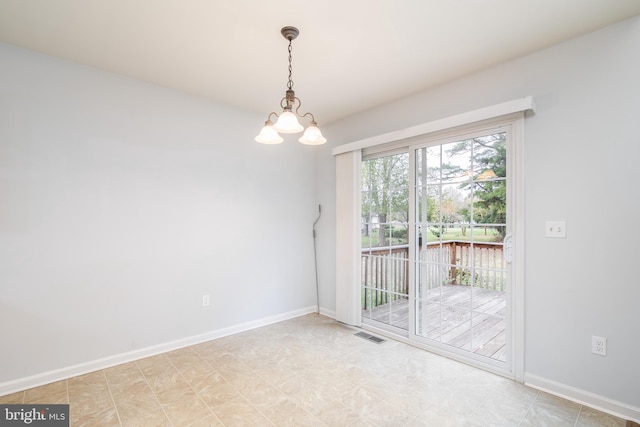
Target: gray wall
[581,164]
[122,203]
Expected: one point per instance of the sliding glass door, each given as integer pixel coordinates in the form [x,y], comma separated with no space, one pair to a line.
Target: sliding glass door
[461,223]
[435,222]
[385,242]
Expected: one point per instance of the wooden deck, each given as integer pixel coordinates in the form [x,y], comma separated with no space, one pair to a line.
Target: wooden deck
[467,318]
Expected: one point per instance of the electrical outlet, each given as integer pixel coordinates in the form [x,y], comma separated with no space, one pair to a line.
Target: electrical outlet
[599,345]
[205,300]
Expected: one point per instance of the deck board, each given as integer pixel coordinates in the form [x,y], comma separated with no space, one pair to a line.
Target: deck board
[447,315]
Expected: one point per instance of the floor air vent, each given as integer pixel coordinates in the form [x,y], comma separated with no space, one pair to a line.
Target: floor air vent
[369,337]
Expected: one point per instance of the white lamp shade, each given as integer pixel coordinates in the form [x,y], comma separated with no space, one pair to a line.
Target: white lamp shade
[268,135]
[288,123]
[312,136]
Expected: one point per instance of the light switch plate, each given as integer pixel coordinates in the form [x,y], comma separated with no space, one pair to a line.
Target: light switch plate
[555,229]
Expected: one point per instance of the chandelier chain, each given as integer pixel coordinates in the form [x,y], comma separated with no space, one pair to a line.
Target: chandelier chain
[290,82]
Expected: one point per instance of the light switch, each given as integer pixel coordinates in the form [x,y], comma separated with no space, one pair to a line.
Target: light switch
[555,229]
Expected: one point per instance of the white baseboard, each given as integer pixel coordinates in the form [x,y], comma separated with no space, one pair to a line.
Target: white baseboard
[118,359]
[328,313]
[601,403]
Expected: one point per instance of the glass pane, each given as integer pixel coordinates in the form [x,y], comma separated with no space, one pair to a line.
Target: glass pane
[428,320]
[365,174]
[428,165]
[429,278]
[399,205]
[399,234]
[490,189]
[456,162]
[366,302]
[460,200]
[462,275]
[489,202]
[385,235]
[428,203]
[377,205]
[365,235]
[399,312]
[489,278]
[489,156]
[433,172]
[488,301]
[391,309]
[489,336]
[456,327]
[365,269]
[453,202]
[499,233]
[420,166]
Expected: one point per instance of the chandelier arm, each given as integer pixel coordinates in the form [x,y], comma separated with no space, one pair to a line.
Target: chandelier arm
[313,119]
[273,113]
[284,103]
[298,107]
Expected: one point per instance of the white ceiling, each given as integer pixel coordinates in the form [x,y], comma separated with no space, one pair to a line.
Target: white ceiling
[351,55]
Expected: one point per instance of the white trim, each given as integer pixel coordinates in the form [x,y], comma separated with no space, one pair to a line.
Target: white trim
[518,263]
[118,359]
[328,313]
[595,401]
[348,189]
[509,107]
[508,114]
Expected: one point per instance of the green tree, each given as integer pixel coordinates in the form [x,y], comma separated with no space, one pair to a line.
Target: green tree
[488,179]
[490,206]
[385,194]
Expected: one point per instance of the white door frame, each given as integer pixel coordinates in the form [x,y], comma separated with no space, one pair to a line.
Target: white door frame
[513,367]
[511,110]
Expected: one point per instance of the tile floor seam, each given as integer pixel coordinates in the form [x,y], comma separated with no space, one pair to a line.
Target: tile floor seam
[408,422]
[528,408]
[575,423]
[272,385]
[154,393]
[113,401]
[228,383]
[253,406]
[191,387]
[233,387]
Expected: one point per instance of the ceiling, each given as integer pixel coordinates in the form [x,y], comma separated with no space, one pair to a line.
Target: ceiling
[351,55]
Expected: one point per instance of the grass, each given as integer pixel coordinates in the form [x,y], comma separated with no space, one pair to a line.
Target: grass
[480,234]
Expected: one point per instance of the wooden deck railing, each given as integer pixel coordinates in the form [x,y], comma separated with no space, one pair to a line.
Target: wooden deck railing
[455,258]
[385,270]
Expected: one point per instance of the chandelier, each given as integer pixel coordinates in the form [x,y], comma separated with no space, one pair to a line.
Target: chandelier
[288,120]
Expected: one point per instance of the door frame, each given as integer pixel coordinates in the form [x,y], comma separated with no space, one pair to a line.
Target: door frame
[347,219]
[513,367]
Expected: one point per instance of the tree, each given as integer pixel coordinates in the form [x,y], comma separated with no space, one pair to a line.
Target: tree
[385,194]
[488,156]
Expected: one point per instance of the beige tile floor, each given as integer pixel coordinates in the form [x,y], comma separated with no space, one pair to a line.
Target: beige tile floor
[308,371]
